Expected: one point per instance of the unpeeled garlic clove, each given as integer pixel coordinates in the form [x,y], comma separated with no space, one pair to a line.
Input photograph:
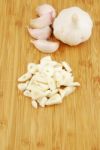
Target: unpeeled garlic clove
[44,9]
[45,46]
[42,21]
[42,34]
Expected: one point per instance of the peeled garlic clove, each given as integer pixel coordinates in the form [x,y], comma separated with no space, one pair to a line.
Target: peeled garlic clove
[42,21]
[44,9]
[25,77]
[42,34]
[55,99]
[34,104]
[45,46]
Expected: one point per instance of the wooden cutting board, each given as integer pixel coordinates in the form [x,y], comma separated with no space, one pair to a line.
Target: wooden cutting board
[73,125]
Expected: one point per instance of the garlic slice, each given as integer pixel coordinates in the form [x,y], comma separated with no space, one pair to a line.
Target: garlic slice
[42,101]
[74,84]
[42,21]
[52,84]
[44,9]
[45,46]
[66,91]
[25,77]
[36,93]
[32,68]
[53,93]
[34,104]
[55,99]
[66,66]
[42,34]
[22,86]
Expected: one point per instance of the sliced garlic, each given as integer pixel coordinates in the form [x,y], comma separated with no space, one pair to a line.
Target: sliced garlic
[42,34]
[34,104]
[32,68]
[45,9]
[55,99]
[25,77]
[42,21]
[45,46]
[42,101]
[49,82]
[66,66]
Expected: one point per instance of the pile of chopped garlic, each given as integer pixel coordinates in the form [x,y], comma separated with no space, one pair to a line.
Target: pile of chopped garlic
[47,83]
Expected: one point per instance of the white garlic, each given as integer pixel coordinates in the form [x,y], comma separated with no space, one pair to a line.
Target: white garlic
[73,26]
[42,21]
[48,82]
[45,46]
[45,9]
[42,34]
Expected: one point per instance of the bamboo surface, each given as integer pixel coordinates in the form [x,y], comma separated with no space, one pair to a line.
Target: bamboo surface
[72,125]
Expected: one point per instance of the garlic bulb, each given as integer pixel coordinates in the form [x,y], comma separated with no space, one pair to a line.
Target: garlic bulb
[73,26]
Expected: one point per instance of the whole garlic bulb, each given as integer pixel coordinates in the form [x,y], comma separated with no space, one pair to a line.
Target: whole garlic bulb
[73,26]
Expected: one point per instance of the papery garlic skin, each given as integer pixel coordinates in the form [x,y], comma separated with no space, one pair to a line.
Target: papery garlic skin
[44,9]
[73,26]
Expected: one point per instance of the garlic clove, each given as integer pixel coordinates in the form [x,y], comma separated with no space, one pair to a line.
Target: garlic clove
[42,34]
[44,9]
[45,46]
[42,21]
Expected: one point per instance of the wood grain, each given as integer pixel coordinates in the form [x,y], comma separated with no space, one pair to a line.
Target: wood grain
[73,125]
